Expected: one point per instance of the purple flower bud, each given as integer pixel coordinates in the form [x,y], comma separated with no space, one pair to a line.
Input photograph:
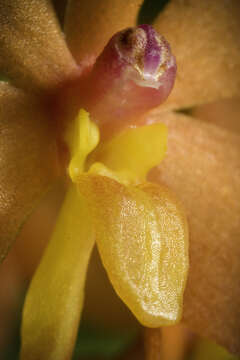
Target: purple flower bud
[134,73]
[148,53]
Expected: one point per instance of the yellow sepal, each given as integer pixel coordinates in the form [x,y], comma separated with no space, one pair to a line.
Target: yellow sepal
[55,298]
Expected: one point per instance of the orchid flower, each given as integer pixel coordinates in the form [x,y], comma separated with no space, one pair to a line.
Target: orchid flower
[68,112]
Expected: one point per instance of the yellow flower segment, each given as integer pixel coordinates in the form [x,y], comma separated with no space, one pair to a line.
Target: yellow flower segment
[140,230]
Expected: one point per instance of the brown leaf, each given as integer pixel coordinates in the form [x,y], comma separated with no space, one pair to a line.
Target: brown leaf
[224,113]
[204,36]
[202,166]
[27,160]
[33,52]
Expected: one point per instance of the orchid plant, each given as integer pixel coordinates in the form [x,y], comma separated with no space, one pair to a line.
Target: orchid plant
[84,112]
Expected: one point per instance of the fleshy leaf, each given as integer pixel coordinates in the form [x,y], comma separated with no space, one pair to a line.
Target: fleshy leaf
[135,151]
[208,63]
[54,301]
[33,52]
[90,24]
[27,160]
[142,237]
[202,167]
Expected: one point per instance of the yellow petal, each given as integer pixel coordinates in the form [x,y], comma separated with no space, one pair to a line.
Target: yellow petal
[135,151]
[90,24]
[27,160]
[54,301]
[33,52]
[141,234]
[204,37]
[202,167]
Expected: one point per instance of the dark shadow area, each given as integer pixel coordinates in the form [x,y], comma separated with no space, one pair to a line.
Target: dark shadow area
[60,8]
[149,10]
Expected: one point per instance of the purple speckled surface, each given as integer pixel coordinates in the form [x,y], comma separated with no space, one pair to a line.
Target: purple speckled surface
[146,51]
[153,50]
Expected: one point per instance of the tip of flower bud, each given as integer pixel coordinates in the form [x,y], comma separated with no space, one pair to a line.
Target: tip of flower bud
[134,73]
[147,52]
